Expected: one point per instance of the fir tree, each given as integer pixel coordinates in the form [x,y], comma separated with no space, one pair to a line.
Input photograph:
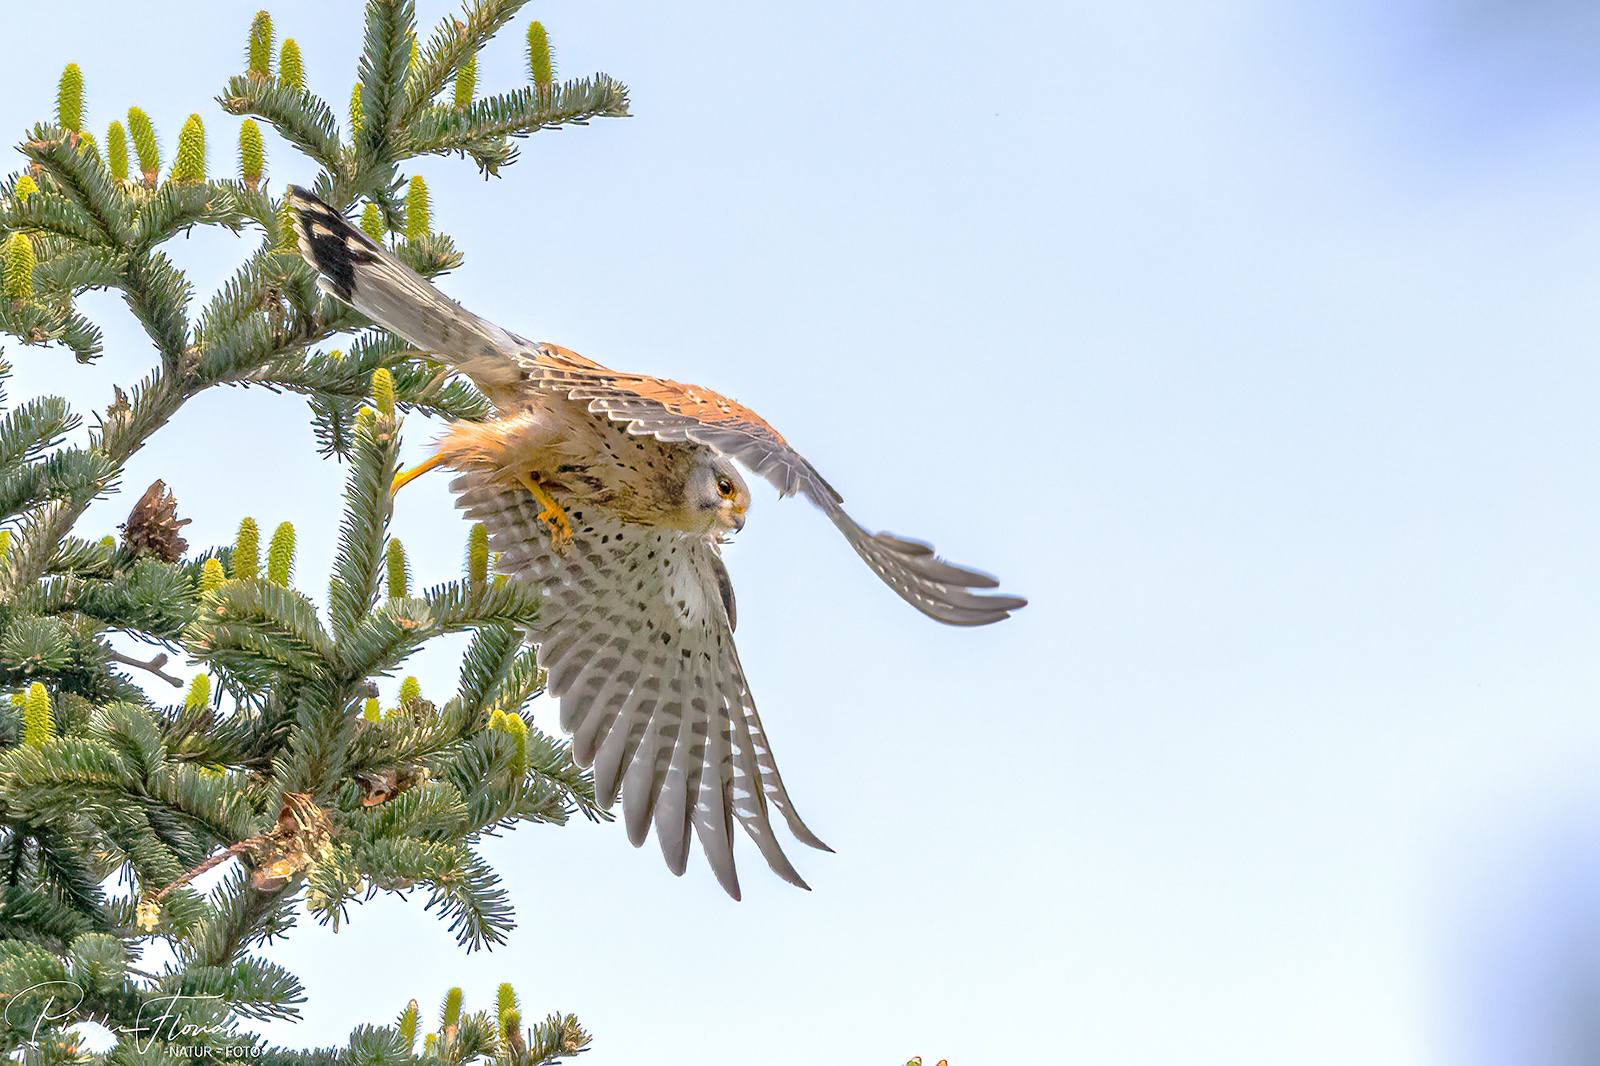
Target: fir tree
[276,765]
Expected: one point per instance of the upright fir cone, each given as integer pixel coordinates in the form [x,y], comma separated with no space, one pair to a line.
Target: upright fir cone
[153,525]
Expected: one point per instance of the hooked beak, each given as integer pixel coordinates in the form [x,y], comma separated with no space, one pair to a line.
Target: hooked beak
[738,519]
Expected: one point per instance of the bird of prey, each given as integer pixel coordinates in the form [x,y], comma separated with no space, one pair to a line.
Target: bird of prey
[611,493]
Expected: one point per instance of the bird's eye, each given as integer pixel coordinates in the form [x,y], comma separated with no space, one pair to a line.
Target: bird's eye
[725,486]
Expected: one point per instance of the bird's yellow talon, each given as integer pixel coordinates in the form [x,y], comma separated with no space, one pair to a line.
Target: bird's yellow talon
[560,529]
[554,518]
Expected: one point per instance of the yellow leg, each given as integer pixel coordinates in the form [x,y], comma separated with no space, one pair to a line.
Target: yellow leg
[552,515]
[401,480]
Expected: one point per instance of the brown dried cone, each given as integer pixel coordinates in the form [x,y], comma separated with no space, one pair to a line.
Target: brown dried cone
[153,526]
[302,832]
[381,786]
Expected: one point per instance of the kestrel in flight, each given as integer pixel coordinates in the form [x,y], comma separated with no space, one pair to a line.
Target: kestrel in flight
[611,493]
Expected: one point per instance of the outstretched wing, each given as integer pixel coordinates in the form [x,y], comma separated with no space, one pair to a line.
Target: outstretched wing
[635,634]
[359,271]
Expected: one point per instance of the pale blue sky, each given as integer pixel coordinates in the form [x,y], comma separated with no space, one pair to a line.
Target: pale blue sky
[1254,342]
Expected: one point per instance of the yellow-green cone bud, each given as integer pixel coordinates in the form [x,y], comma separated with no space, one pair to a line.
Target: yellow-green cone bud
[199,693]
[87,143]
[451,1014]
[408,1025]
[286,238]
[280,555]
[108,541]
[417,210]
[478,555]
[505,1003]
[24,188]
[394,561]
[410,692]
[5,543]
[541,65]
[355,109]
[211,575]
[519,737]
[69,98]
[144,144]
[38,722]
[510,1022]
[19,267]
[429,1042]
[252,153]
[383,392]
[117,151]
[290,70]
[247,551]
[372,222]
[466,82]
[370,711]
[190,164]
[260,54]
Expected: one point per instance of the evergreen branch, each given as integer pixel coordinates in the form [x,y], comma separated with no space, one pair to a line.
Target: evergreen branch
[471,897]
[254,205]
[451,46]
[83,768]
[498,793]
[431,811]
[179,205]
[252,987]
[257,619]
[559,1036]
[129,731]
[77,268]
[459,605]
[319,744]
[521,684]
[159,293]
[440,130]
[430,256]
[420,384]
[72,475]
[80,335]
[461,886]
[35,323]
[52,213]
[29,914]
[300,118]
[405,740]
[486,662]
[238,917]
[384,638]
[130,422]
[255,287]
[82,178]
[84,558]
[149,598]
[385,59]
[238,350]
[358,562]
[34,427]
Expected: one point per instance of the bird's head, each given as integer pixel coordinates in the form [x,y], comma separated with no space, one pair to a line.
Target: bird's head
[717,494]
